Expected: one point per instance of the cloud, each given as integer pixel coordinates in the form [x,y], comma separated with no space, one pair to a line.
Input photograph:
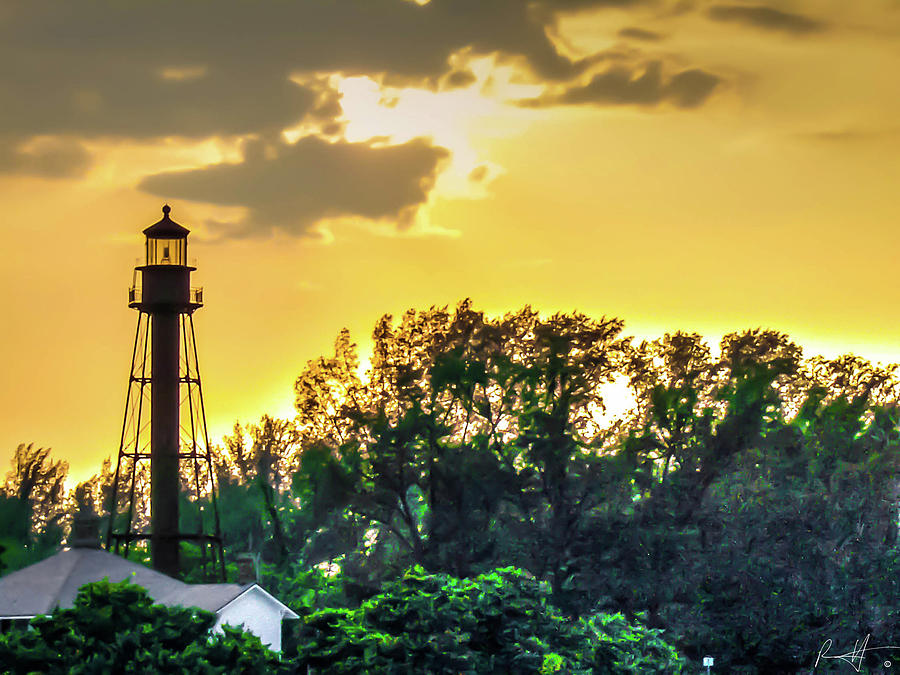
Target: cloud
[201,69]
[619,86]
[312,180]
[761,16]
[237,69]
[457,79]
[640,34]
[45,157]
[690,88]
[478,174]
[116,100]
[851,135]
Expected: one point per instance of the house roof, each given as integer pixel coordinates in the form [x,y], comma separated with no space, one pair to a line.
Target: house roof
[54,582]
[260,592]
[211,597]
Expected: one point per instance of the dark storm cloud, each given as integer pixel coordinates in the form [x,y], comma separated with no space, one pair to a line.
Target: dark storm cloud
[640,34]
[112,69]
[761,16]
[310,181]
[138,103]
[619,86]
[217,68]
[213,67]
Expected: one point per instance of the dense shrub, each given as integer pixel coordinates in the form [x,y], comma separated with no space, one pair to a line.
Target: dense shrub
[116,628]
[500,622]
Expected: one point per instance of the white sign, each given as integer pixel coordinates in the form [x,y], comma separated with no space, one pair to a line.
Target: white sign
[708,661]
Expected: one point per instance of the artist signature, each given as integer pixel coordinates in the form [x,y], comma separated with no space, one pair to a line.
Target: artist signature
[855,656]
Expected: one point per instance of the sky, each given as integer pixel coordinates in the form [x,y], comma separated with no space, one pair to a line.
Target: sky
[699,165]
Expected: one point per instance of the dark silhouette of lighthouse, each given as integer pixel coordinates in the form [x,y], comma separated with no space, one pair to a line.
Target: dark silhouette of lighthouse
[164,394]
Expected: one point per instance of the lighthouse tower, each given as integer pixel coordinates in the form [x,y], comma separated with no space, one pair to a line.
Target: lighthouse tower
[164,444]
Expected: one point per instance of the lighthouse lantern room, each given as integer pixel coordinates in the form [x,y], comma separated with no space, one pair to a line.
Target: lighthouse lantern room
[166,241]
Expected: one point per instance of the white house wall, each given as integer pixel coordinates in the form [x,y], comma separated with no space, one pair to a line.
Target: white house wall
[255,613]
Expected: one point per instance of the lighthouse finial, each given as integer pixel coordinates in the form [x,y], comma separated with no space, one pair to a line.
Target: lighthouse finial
[166,209]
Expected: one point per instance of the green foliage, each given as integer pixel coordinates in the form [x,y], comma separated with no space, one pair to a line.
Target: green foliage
[746,503]
[773,533]
[500,622]
[796,550]
[33,507]
[623,647]
[116,628]
[303,589]
[14,534]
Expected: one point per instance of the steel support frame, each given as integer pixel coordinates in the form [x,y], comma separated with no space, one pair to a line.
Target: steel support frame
[128,507]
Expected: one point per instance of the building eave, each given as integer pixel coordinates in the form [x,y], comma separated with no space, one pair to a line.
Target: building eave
[286,612]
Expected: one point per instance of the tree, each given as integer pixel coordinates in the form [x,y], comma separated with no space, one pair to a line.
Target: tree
[500,622]
[745,499]
[454,407]
[282,507]
[92,496]
[764,478]
[116,628]
[33,506]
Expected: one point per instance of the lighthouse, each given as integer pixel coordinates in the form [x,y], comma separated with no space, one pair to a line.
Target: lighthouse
[172,462]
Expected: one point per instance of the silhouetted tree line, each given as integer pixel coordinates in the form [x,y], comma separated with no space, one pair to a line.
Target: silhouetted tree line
[36,508]
[746,502]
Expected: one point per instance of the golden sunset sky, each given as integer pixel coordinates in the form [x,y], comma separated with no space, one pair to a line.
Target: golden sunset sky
[708,165]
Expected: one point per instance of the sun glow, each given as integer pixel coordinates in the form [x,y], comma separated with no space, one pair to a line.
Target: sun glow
[395,116]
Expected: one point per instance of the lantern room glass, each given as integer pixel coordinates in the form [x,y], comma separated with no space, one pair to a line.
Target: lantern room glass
[167,251]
